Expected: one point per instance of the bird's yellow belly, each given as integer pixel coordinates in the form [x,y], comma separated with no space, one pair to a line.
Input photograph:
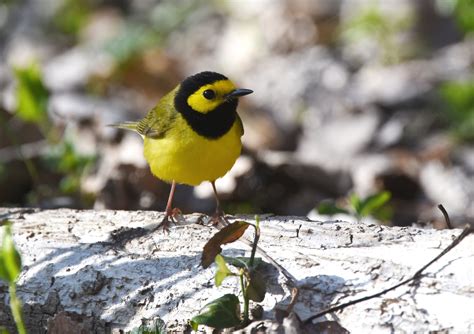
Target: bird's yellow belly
[186,157]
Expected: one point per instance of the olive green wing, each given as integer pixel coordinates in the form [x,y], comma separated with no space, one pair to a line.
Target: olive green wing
[155,124]
[158,120]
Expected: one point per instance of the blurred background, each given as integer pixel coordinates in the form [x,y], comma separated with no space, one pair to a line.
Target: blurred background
[361,108]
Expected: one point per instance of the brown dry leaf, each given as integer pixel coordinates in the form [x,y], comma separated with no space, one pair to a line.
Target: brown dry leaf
[228,234]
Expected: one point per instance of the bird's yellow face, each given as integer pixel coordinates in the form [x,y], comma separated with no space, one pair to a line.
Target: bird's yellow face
[208,97]
[208,102]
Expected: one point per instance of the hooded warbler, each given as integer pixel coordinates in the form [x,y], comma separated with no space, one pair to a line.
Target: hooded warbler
[193,134]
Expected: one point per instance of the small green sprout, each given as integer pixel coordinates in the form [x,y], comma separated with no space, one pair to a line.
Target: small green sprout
[374,205]
[225,312]
[10,268]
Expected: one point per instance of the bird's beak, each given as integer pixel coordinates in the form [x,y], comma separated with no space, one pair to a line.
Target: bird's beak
[238,93]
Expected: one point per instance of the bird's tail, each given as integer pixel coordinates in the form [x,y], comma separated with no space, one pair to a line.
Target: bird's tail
[133,126]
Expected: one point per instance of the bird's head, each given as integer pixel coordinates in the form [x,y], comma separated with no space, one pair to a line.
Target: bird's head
[207,92]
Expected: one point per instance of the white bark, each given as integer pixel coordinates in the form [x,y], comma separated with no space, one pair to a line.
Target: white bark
[69,266]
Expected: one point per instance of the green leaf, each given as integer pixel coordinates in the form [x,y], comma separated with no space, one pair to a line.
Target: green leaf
[257,222]
[242,261]
[459,107]
[70,184]
[355,202]
[385,213]
[459,95]
[3,330]
[72,16]
[223,312]
[222,270]
[64,158]
[4,275]
[131,40]
[257,287]
[31,94]
[328,208]
[228,234]
[373,203]
[464,14]
[10,260]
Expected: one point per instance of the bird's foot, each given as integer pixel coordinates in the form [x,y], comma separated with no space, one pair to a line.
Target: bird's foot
[171,216]
[219,218]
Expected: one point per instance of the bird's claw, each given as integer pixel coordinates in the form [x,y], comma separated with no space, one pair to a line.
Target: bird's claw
[172,216]
[219,218]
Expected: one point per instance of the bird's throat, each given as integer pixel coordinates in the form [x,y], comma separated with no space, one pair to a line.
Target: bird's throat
[213,124]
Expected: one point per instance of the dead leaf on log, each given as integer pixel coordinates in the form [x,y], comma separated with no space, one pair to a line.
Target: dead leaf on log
[228,234]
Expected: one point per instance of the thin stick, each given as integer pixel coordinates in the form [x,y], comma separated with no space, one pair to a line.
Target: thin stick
[446,216]
[466,231]
[298,231]
[255,242]
[246,300]
[295,292]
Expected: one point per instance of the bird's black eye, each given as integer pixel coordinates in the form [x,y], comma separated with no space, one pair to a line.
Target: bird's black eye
[209,94]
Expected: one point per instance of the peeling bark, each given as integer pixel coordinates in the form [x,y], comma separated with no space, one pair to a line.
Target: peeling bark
[77,277]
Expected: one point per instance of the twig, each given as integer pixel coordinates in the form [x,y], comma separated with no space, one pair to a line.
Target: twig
[446,216]
[466,231]
[298,231]
[255,242]
[295,292]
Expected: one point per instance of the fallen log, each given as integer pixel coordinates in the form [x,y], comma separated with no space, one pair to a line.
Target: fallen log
[79,277]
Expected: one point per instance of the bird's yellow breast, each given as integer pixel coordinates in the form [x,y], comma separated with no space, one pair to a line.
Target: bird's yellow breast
[186,157]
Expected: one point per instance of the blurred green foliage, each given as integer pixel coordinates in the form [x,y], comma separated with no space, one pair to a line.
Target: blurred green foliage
[375,205]
[31,94]
[132,40]
[72,16]
[459,111]
[62,157]
[464,14]
[385,29]
[10,268]
[7,2]
[10,260]
[151,31]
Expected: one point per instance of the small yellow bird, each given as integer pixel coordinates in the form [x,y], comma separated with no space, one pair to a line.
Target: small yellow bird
[193,134]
